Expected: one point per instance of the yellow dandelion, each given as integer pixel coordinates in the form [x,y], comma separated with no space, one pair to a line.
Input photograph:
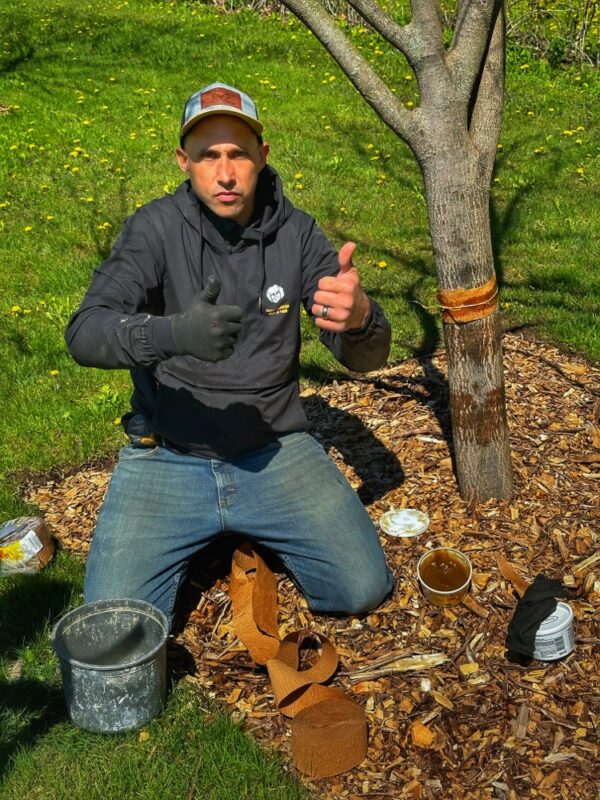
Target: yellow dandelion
[15,309]
[28,228]
[54,372]
[50,217]
[117,420]
[580,170]
[382,264]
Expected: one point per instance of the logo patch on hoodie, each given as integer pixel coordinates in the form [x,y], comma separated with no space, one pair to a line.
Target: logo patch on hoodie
[273,296]
[275,293]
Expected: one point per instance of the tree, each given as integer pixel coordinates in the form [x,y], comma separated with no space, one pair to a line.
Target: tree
[453,134]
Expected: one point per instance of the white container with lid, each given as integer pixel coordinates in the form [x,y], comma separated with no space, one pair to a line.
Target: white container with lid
[555,638]
[404,522]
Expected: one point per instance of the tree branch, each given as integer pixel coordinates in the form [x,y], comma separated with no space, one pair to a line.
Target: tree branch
[421,41]
[488,95]
[475,19]
[400,36]
[426,14]
[404,123]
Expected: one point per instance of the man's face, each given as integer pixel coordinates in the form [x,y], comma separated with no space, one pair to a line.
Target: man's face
[223,158]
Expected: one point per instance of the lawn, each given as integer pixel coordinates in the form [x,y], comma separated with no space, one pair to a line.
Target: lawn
[90,101]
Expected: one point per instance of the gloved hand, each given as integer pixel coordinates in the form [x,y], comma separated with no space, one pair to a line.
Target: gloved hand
[206,330]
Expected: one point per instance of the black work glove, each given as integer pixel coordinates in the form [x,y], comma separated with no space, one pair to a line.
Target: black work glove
[537,603]
[205,330]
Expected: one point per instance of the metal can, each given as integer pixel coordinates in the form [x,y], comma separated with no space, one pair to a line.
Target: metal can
[555,638]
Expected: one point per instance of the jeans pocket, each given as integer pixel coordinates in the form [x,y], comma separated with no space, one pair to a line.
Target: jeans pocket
[130,453]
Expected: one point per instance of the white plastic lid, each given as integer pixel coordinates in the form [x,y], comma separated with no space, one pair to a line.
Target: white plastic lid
[404,522]
[557,621]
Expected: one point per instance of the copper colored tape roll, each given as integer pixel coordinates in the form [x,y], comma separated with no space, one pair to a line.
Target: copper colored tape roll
[329,737]
[467,305]
[289,654]
[329,731]
[297,689]
[253,593]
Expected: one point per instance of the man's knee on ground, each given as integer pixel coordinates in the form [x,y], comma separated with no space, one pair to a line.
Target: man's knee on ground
[356,598]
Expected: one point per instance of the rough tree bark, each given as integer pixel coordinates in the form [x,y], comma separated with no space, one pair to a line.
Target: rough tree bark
[453,134]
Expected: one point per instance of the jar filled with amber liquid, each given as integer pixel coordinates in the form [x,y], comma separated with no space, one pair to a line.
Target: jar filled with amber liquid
[444,575]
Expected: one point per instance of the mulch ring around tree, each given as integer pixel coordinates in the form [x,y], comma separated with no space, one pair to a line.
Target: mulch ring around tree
[476,725]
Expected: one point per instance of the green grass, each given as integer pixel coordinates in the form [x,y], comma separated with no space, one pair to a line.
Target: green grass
[90,100]
[191,750]
[94,99]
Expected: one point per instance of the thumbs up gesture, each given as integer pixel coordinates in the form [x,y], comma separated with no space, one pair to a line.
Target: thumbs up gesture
[206,330]
[340,304]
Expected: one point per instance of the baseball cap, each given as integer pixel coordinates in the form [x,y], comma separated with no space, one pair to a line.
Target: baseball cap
[219,98]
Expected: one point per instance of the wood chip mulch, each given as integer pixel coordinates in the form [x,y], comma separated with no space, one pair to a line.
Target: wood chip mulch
[475,726]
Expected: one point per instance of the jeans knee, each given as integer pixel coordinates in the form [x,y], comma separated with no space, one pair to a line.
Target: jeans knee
[359,597]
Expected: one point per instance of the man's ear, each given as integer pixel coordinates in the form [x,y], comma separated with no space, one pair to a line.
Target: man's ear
[265,147]
[182,160]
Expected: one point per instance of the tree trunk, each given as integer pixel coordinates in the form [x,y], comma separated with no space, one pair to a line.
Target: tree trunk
[458,204]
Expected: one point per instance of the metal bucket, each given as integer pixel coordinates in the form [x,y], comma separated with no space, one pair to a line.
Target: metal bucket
[113,657]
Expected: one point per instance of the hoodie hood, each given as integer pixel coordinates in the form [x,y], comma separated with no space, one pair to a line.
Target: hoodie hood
[223,235]
[271,210]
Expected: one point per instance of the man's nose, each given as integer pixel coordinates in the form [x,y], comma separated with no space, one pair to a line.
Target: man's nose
[225,170]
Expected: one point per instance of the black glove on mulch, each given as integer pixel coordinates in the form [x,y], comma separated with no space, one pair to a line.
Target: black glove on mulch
[538,602]
[206,330]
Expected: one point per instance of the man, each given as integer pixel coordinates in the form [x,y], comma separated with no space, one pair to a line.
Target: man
[200,299]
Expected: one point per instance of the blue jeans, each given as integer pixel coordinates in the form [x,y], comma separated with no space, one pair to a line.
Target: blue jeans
[161,508]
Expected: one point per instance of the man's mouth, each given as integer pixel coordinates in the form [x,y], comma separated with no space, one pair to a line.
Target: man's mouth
[227,197]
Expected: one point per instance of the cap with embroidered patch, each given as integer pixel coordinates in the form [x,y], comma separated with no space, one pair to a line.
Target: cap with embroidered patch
[219,98]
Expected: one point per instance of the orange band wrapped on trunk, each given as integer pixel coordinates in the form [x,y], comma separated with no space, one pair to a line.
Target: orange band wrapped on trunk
[467,305]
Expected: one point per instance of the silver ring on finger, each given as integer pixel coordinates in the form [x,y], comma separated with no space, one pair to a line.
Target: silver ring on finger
[325,312]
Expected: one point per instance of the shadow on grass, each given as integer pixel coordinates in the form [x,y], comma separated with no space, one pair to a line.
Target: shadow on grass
[28,706]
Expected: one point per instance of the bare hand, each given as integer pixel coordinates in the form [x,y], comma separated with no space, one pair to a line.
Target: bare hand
[346,305]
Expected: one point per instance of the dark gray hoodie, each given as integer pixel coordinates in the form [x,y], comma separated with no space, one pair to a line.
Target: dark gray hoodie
[163,257]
